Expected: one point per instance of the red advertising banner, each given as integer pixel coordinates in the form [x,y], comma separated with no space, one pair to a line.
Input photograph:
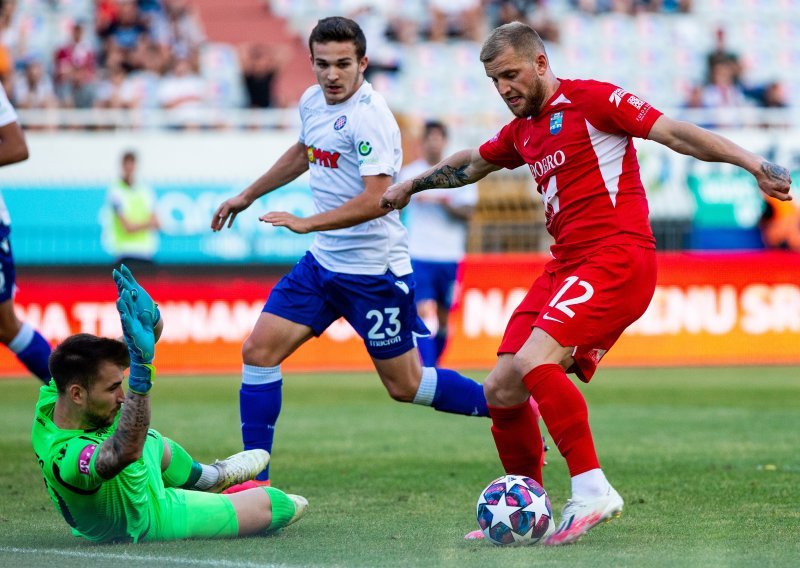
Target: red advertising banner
[708,309]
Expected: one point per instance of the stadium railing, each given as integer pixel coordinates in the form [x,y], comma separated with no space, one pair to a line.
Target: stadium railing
[464,127]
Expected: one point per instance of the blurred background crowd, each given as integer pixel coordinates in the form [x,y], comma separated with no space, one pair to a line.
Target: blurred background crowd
[189,54]
[136,67]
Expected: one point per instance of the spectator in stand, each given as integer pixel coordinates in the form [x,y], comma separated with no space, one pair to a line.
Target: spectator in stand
[126,29]
[183,91]
[34,89]
[75,72]
[13,34]
[663,6]
[774,96]
[115,91]
[456,18]
[260,68]
[182,31]
[532,12]
[695,102]
[722,55]
[723,91]
[150,64]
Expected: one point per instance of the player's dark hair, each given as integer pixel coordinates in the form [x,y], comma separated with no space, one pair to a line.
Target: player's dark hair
[129,155]
[78,358]
[517,35]
[340,29]
[434,126]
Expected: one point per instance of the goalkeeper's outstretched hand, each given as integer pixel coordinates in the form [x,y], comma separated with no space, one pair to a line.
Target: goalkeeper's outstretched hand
[137,329]
[144,302]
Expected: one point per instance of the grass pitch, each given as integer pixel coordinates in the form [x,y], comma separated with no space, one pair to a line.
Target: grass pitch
[706,459]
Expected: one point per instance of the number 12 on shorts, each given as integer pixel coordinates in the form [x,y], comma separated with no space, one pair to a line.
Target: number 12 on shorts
[564,305]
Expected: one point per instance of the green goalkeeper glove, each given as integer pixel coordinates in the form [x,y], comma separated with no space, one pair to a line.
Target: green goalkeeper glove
[144,302]
[137,329]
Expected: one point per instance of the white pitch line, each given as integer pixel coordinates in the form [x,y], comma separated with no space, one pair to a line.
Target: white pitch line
[144,558]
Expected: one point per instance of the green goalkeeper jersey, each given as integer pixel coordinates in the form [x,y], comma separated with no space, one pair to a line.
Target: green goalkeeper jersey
[95,508]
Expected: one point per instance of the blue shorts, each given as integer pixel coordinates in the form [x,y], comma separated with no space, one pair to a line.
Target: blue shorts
[7,272]
[380,308]
[435,281]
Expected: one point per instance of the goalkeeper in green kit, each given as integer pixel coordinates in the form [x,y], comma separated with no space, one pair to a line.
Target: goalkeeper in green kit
[115,479]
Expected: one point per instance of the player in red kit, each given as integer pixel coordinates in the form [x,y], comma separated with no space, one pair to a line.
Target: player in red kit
[577,139]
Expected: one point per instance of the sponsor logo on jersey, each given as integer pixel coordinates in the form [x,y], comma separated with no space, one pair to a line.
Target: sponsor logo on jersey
[340,122]
[556,121]
[540,167]
[364,148]
[323,158]
[635,101]
[616,96]
[402,285]
[85,459]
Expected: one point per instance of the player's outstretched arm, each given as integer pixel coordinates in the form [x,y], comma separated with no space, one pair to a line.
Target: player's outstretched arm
[289,166]
[127,442]
[13,147]
[460,169]
[360,209]
[689,139]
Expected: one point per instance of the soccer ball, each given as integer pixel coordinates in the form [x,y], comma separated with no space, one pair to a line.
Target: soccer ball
[515,510]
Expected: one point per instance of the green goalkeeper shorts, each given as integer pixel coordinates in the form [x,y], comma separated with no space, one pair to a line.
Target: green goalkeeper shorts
[178,513]
[185,514]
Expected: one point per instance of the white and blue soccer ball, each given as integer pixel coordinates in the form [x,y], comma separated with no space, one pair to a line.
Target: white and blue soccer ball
[515,510]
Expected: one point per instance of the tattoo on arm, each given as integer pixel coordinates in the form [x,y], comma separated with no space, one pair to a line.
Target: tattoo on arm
[127,441]
[775,172]
[446,176]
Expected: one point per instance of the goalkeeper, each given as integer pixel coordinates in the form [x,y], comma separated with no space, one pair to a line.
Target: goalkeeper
[113,478]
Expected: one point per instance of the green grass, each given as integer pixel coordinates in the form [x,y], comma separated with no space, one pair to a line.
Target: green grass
[706,459]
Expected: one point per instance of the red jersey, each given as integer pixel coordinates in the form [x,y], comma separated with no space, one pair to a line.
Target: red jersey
[579,149]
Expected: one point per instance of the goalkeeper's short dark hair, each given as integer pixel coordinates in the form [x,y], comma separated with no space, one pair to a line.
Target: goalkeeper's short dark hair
[78,358]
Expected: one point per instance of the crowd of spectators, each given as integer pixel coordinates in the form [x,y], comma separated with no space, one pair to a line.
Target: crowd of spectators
[130,54]
[632,7]
[726,89]
[145,54]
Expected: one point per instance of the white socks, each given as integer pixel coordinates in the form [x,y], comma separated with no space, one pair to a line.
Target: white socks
[427,387]
[590,484]
[208,478]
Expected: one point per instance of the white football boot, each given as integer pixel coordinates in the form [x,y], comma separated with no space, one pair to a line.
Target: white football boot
[581,515]
[300,507]
[239,468]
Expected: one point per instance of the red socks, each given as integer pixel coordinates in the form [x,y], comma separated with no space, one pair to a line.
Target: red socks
[518,439]
[564,412]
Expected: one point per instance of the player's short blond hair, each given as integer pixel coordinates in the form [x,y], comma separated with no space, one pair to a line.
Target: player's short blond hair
[522,38]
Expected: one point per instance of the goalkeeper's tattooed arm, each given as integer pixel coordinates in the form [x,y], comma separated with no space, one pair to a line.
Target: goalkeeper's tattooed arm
[126,444]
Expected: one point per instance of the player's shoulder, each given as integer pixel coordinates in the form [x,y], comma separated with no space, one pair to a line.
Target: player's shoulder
[311,97]
[369,103]
[587,88]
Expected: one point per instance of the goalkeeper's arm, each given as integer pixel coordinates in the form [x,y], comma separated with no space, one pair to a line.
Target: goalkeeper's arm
[127,442]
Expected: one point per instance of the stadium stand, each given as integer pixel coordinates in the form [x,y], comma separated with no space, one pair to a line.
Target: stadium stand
[719,63]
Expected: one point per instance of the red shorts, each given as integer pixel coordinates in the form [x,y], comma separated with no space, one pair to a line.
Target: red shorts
[586,303]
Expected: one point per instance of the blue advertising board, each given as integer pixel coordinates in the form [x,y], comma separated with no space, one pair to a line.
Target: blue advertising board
[64,224]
